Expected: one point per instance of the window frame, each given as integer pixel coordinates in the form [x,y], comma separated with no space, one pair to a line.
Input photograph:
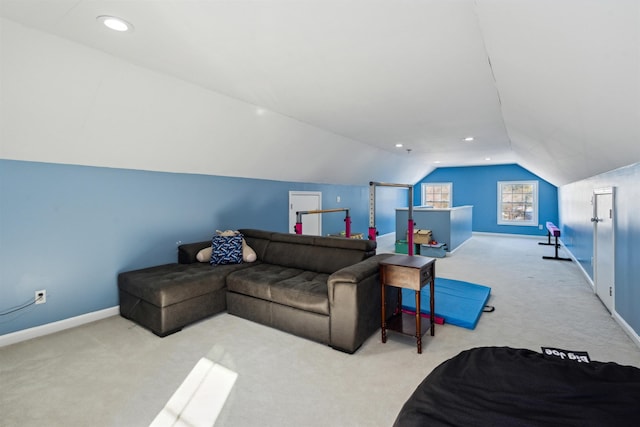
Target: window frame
[533,222]
[423,193]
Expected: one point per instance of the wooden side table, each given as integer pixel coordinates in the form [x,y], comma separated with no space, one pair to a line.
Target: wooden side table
[411,272]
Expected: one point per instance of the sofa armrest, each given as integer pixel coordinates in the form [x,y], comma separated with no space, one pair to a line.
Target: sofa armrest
[354,303]
[187,252]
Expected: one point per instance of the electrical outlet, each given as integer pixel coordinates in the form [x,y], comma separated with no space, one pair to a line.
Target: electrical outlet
[41,296]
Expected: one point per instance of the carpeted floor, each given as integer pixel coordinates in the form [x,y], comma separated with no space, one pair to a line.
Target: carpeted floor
[114,373]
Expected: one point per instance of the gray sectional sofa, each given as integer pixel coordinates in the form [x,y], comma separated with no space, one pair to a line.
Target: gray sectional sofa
[325,289]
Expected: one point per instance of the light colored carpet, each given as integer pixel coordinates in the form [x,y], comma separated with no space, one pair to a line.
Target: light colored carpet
[200,398]
[115,373]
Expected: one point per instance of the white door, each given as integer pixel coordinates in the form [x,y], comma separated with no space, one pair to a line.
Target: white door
[300,201]
[603,246]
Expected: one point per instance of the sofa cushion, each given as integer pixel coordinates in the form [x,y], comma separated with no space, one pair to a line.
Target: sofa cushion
[304,290]
[316,253]
[313,253]
[311,257]
[307,291]
[257,239]
[256,281]
[226,249]
[168,284]
[360,245]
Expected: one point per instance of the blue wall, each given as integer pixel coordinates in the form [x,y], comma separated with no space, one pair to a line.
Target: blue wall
[478,186]
[72,229]
[577,233]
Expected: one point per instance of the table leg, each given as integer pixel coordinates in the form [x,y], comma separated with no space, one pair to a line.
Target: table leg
[418,323]
[432,304]
[383,314]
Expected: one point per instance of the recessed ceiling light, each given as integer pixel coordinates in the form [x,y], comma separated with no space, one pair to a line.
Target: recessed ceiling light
[487,158]
[115,23]
[398,145]
[437,161]
[469,139]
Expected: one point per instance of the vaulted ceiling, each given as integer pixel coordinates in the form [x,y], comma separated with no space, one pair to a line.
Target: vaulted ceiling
[553,85]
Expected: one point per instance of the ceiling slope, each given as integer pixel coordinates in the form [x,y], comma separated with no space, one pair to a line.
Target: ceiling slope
[568,74]
[553,86]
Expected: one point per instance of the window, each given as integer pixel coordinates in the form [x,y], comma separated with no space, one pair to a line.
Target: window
[518,203]
[437,194]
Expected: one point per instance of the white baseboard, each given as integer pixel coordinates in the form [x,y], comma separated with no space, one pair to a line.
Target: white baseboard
[627,328]
[580,266]
[61,325]
[623,324]
[522,236]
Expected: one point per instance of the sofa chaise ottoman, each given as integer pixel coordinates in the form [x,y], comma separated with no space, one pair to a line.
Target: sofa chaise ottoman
[167,297]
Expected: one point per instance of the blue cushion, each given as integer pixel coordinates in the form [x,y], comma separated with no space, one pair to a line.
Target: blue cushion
[458,303]
[226,249]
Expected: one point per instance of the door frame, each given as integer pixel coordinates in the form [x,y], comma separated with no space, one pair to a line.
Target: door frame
[292,211]
[598,192]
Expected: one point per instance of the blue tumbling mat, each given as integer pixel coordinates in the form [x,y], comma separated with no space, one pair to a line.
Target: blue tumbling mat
[458,303]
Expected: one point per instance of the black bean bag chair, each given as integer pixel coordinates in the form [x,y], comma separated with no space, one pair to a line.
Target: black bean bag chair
[502,386]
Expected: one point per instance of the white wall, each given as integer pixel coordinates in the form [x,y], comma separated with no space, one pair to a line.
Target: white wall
[66,103]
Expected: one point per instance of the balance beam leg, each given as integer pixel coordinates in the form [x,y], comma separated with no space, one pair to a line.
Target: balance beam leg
[556,257]
[548,240]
